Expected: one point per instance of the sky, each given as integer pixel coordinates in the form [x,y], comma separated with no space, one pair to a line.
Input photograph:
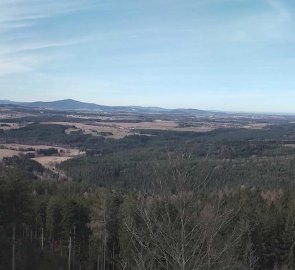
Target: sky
[227,55]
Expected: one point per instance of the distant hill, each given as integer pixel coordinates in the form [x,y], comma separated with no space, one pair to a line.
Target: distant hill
[74,105]
[8,102]
[66,104]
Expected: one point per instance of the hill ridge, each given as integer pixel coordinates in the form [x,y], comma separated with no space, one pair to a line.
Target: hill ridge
[75,105]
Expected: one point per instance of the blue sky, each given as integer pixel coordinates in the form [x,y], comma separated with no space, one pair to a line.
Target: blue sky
[232,55]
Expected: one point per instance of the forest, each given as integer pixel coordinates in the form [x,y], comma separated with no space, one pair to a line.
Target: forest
[222,199]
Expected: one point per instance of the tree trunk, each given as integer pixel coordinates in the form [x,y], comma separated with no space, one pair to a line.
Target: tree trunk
[61,247]
[42,237]
[74,244]
[113,257]
[98,260]
[13,247]
[31,235]
[104,258]
[70,251]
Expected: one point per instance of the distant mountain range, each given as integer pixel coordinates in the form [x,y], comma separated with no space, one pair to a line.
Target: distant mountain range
[74,105]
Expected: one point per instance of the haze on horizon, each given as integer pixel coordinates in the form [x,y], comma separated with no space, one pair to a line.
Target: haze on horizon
[227,55]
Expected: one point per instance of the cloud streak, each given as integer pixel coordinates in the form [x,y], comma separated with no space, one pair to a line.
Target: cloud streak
[39,45]
[22,52]
[14,13]
[282,12]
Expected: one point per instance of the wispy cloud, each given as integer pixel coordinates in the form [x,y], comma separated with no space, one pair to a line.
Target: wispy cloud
[283,14]
[22,53]
[17,65]
[39,45]
[14,13]
[272,22]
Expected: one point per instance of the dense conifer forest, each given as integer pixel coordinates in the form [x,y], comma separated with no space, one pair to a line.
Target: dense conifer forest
[222,199]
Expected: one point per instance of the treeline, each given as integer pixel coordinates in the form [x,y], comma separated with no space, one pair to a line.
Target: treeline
[240,156]
[227,201]
[131,169]
[272,136]
[49,134]
[175,224]
[41,116]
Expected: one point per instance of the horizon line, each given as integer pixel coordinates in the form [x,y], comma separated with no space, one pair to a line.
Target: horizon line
[159,107]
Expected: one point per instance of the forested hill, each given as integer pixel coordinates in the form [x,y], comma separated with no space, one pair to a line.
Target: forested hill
[74,105]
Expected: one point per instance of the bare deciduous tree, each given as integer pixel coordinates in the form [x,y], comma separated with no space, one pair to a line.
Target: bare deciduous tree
[175,230]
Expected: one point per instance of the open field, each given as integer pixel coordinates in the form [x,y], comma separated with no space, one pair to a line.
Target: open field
[289,145]
[8,126]
[117,125]
[119,130]
[24,148]
[8,153]
[11,114]
[257,126]
[49,162]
